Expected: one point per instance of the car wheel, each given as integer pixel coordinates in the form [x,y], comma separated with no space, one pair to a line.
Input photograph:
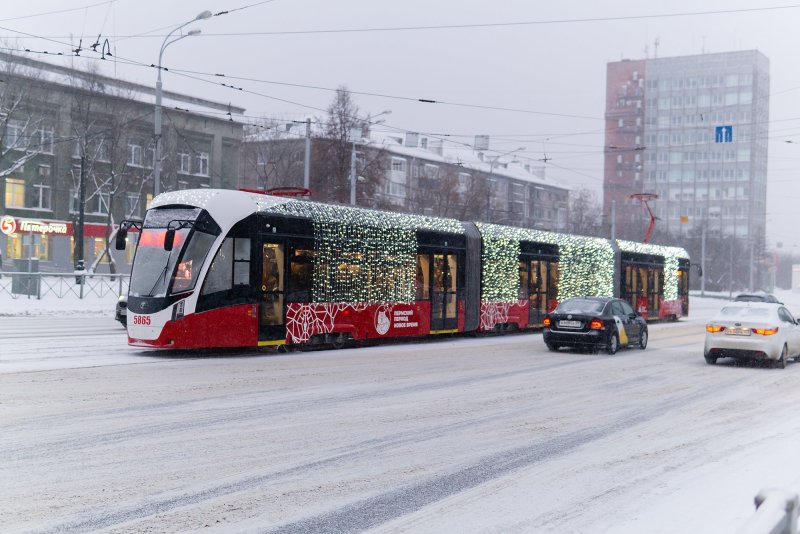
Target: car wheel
[781,362]
[553,347]
[710,360]
[643,339]
[613,344]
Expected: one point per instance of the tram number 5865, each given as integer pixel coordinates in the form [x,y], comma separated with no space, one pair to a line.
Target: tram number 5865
[141,319]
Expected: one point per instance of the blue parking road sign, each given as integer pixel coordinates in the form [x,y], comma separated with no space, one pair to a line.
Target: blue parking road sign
[724,134]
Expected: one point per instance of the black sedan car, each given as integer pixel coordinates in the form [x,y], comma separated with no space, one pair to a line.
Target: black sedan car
[121,311]
[594,323]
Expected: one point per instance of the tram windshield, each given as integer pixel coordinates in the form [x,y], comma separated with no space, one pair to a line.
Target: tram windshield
[157,272]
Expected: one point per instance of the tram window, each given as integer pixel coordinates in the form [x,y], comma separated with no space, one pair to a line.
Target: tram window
[423,272]
[348,272]
[272,309]
[523,281]
[552,284]
[221,271]
[643,281]
[241,249]
[451,306]
[452,273]
[191,262]
[301,271]
[273,267]
[438,272]
[241,261]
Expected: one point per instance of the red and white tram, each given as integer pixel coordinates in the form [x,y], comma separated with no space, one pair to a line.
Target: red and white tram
[222,268]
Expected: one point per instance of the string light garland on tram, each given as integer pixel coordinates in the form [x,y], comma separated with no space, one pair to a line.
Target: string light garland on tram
[362,255]
[586,264]
[671,256]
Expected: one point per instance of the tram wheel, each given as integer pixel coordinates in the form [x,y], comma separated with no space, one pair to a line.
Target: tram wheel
[339,341]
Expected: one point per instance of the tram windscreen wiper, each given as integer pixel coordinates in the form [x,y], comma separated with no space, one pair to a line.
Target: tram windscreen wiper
[161,276]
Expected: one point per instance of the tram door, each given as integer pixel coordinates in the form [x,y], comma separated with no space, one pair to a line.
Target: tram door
[444,303]
[272,322]
[538,284]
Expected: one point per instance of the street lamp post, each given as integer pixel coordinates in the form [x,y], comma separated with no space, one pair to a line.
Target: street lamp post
[492,163]
[157,130]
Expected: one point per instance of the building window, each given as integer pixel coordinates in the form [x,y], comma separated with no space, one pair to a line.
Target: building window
[44,138]
[96,204]
[102,152]
[132,208]
[431,171]
[184,166]
[398,165]
[149,157]
[201,163]
[15,193]
[134,155]
[14,133]
[41,197]
[397,190]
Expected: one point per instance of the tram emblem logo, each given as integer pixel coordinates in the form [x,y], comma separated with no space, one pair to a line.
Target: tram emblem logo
[382,322]
[8,225]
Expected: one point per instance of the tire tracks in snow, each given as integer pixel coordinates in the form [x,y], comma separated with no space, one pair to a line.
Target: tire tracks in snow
[378,509]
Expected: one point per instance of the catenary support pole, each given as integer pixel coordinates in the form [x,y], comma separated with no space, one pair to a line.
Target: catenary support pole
[307,158]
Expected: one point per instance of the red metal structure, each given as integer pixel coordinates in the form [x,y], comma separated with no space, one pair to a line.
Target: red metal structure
[645,198]
[280,191]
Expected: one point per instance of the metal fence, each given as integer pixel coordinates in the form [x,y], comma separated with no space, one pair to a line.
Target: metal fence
[60,285]
[776,511]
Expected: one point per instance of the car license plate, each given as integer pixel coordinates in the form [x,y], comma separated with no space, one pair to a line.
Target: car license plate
[569,324]
[737,331]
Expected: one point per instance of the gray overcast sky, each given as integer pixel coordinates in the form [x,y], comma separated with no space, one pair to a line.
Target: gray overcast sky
[554,67]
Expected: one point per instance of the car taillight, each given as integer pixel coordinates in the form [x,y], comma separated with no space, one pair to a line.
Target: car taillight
[596,324]
[765,331]
[713,329]
[546,321]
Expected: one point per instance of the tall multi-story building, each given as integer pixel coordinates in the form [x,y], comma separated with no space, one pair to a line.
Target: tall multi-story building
[692,130]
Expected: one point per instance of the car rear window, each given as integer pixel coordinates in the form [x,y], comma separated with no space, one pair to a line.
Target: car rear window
[750,298]
[741,311]
[580,306]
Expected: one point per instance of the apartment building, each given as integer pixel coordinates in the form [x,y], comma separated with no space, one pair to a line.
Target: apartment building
[63,127]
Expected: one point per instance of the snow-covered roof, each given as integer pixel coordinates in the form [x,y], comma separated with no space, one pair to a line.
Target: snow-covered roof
[467,158]
[68,77]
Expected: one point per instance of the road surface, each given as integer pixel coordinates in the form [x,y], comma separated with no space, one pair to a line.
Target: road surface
[491,434]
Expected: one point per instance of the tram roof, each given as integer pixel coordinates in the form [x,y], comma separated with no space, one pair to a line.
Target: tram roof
[230,206]
[656,250]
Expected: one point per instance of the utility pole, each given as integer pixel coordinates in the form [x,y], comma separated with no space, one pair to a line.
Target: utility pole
[613,220]
[703,261]
[353,175]
[79,252]
[307,158]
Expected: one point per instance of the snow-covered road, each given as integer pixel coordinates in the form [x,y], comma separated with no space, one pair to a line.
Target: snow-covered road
[491,434]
